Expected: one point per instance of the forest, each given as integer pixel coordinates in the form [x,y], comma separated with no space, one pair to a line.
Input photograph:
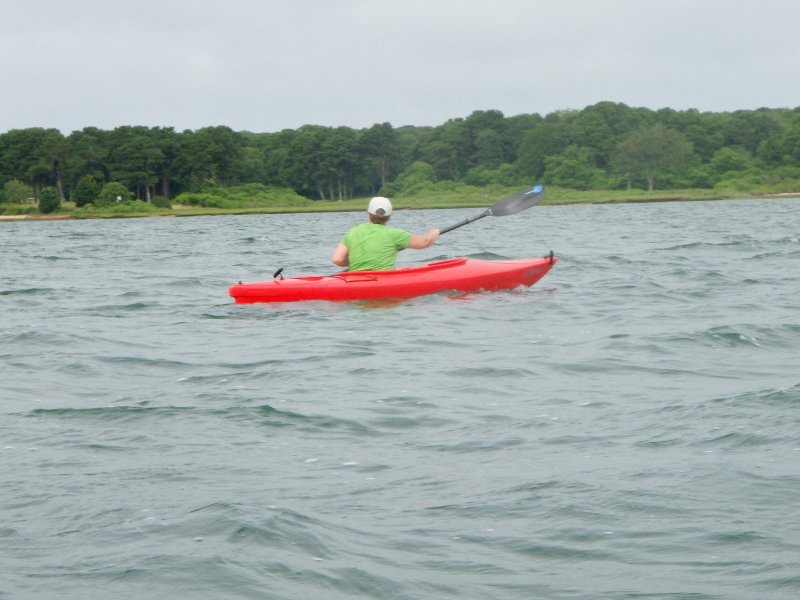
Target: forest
[605,146]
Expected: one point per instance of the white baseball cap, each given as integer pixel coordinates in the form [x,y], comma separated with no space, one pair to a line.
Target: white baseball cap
[380,207]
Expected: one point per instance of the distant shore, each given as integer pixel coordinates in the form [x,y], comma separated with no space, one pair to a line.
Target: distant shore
[558,198]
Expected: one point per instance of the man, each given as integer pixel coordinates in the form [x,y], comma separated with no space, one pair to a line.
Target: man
[373,246]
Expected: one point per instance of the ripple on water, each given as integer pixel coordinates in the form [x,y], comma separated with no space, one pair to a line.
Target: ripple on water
[627,419]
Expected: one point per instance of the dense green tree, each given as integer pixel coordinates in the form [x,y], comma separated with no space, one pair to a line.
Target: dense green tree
[704,131]
[490,149]
[490,142]
[50,155]
[137,159]
[554,135]
[168,142]
[602,145]
[746,128]
[252,165]
[210,155]
[505,174]
[49,200]
[537,144]
[599,127]
[449,150]
[16,192]
[517,128]
[652,151]
[771,151]
[89,152]
[113,193]
[34,155]
[574,169]
[323,162]
[308,165]
[418,175]
[379,148]
[790,143]
[410,141]
[86,191]
[730,159]
[273,148]
[341,149]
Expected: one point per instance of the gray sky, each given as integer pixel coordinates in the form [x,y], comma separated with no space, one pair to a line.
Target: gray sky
[267,65]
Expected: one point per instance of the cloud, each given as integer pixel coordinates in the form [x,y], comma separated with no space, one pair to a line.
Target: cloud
[269,65]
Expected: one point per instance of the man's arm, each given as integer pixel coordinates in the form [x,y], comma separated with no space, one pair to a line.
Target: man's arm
[340,256]
[420,242]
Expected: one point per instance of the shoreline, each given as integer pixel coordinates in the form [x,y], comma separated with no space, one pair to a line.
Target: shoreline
[429,205]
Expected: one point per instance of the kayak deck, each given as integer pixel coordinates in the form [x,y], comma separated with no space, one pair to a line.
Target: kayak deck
[454,274]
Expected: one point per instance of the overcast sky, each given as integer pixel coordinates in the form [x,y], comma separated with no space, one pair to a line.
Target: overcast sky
[267,65]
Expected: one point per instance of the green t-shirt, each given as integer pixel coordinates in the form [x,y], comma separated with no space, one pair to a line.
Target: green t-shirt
[372,247]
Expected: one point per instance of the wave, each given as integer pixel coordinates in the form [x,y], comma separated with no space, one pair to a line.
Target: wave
[779,336]
[28,291]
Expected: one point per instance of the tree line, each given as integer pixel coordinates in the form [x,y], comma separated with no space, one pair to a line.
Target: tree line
[603,146]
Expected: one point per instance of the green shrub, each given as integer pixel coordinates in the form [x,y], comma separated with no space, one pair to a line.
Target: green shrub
[113,193]
[199,199]
[86,191]
[49,201]
[132,206]
[18,209]
[415,178]
[505,174]
[160,202]
[16,192]
[251,195]
[122,208]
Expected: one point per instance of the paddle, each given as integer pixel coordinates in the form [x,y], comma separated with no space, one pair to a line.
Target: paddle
[507,206]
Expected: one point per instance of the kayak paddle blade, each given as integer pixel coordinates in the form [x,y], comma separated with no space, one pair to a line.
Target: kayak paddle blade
[507,206]
[518,202]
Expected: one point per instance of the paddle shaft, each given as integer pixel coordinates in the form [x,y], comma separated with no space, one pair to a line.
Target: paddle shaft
[485,213]
[506,206]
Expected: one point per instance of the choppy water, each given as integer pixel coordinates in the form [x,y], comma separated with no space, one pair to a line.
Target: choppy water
[627,428]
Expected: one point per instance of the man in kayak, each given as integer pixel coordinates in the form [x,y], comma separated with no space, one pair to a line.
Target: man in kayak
[373,246]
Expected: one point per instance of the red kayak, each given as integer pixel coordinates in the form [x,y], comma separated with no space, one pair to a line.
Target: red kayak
[455,274]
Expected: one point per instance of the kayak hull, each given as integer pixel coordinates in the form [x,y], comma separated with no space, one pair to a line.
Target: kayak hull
[455,274]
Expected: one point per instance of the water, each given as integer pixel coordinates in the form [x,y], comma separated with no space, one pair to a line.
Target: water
[626,428]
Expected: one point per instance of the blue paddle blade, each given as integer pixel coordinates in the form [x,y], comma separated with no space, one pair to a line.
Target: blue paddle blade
[507,206]
[518,202]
